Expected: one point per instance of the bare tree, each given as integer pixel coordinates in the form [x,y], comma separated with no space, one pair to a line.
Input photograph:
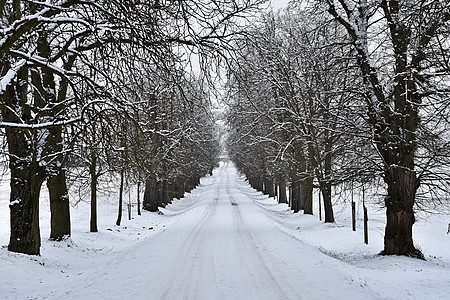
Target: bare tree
[416,33]
[74,32]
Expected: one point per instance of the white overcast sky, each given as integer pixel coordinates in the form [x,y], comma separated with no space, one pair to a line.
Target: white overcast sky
[277,4]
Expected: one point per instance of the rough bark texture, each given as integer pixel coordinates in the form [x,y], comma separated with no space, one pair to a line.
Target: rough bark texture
[24,209]
[59,206]
[398,144]
[398,238]
[26,174]
[26,182]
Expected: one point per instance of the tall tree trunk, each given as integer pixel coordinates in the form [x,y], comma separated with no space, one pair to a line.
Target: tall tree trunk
[290,196]
[119,215]
[57,187]
[398,239]
[282,191]
[151,194]
[45,95]
[323,175]
[94,180]
[59,206]
[325,188]
[166,193]
[265,187]
[295,194]
[301,195]
[24,204]
[26,174]
[400,176]
[309,196]
[139,198]
[179,188]
[325,183]
[161,193]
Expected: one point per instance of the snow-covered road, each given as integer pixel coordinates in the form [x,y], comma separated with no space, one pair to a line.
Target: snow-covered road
[226,246]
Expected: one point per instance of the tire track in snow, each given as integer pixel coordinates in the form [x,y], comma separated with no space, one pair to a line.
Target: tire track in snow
[262,275]
[224,247]
[190,261]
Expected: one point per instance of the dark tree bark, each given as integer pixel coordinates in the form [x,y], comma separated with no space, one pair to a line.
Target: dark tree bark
[295,196]
[94,180]
[166,193]
[265,187]
[291,197]
[187,186]
[269,187]
[282,192]
[26,182]
[119,215]
[59,206]
[398,238]
[325,189]
[45,95]
[309,196]
[299,194]
[323,174]
[27,175]
[179,188]
[259,184]
[162,193]
[302,195]
[56,183]
[150,202]
[139,198]
[393,113]
[326,185]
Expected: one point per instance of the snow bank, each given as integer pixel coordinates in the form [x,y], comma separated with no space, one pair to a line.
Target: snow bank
[25,277]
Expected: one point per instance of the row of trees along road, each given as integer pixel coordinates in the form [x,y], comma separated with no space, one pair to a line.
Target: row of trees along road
[335,93]
[101,86]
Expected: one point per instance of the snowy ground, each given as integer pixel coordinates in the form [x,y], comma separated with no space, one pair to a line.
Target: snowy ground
[223,241]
